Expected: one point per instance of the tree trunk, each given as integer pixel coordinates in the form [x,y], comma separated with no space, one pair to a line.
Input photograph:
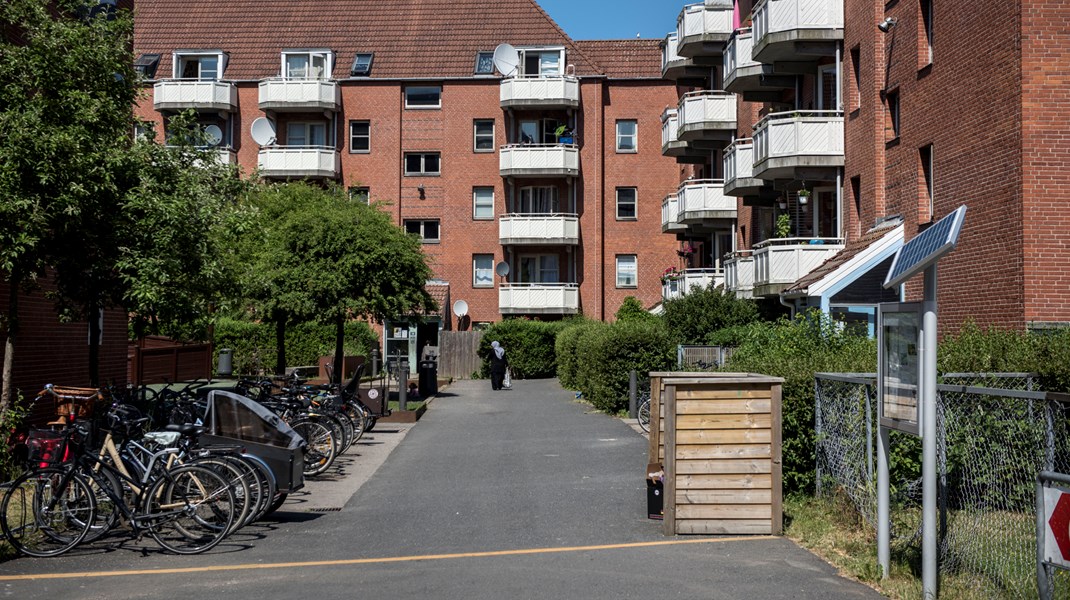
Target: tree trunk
[7,386]
[280,346]
[339,347]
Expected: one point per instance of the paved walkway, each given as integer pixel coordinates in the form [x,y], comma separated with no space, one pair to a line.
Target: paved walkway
[523,493]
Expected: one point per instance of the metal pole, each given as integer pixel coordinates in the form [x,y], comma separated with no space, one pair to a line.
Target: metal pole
[403,384]
[1043,590]
[818,427]
[929,573]
[633,390]
[884,525]
[869,435]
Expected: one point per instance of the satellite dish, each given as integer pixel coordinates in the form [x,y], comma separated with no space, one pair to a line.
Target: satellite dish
[506,59]
[213,135]
[263,131]
[460,308]
[502,269]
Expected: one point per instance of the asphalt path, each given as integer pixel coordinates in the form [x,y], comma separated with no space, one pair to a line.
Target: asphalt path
[521,493]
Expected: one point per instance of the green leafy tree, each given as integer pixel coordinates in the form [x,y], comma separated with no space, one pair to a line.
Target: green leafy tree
[65,118]
[632,310]
[692,317]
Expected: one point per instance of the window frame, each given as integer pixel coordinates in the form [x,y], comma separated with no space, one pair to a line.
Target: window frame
[476,136]
[423,164]
[352,147]
[562,61]
[366,72]
[423,230]
[892,124]
[411,106]
[634,202]
[634,135]
[476,270]
[928,178]
[357,191]
[476,204]
[925,36]
[635,271]
[482,56]
[328,57]
[179,60]
[308,126]
[535,197]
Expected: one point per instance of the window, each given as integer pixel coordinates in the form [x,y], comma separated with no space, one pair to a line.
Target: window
[626,271]
[484,135]
[539,131]
[483,203]
[855,94]
[306,64]
[360,194]
[482,270]
[539,268]
[360,136]
[362,64]
[423,96]
[202,67]
[538,200]
[626,210]
[626,136]
[422,163]
[427,229]
[541,63]
[891,126]
[306,134]
[925,156]
[146,65]
[484,63]
[925,39]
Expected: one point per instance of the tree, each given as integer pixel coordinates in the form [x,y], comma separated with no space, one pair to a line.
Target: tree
[66,118]
[632,310]
[316,254]
[698,313]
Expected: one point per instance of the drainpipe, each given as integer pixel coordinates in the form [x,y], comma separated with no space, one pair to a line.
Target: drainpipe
[791,306]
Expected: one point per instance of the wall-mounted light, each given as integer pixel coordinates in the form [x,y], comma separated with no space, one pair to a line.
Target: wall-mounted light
[886,25]
[423,192]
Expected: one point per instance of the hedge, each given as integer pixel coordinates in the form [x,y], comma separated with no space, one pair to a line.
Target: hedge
[605,354]
[254,343]
[991,350]
[529,346]
[568,363]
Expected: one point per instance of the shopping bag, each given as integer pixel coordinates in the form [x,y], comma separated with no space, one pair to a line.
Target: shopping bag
[507,383]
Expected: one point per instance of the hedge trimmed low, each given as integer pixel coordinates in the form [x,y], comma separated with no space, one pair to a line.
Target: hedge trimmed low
[254,343]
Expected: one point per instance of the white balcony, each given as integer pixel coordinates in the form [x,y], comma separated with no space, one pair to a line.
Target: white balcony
[778,263]
[299,161]
[785,142]
[540,92]
[703,28]
[539,299]
[739,274]
[677,67]
[741,72]
[796,30]
[707,116]
[555,229]
[283,94]
[738,161]
[691,280]
[703,199]
[225,156]
[539,160]
[671,144]
[182,94]
[670,215]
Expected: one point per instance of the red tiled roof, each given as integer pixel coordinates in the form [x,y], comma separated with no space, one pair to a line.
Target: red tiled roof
[410,38]
[625,59]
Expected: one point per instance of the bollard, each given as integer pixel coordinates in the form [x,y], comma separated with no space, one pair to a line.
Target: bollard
[633,398]
[403,384]
[375,362]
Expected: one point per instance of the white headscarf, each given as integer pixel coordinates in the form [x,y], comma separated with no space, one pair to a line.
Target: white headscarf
[498,350]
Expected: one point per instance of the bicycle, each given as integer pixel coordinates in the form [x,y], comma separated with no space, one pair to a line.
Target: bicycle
[643,412]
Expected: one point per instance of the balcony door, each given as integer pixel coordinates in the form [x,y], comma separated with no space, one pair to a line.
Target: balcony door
[537,200]
[306,134]
[828,94]
[539,268]
[541,63]
[539,131]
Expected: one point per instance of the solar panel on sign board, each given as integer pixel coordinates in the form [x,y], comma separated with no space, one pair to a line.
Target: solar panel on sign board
[926,248]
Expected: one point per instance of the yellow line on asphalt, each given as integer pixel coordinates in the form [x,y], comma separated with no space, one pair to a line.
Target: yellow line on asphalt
[372,561]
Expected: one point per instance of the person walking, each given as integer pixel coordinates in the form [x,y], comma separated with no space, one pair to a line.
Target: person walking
[498,365]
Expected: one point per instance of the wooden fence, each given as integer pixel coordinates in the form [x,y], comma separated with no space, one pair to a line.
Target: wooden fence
[159,362]
[458,354]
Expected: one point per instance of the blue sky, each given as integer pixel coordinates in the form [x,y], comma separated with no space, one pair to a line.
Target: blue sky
[615,19]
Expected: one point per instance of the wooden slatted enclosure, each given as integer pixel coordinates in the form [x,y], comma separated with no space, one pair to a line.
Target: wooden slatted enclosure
[718,439]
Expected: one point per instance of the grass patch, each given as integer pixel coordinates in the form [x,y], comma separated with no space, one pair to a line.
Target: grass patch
[409,405]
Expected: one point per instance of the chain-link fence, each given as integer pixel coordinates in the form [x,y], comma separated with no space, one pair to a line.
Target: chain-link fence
[996,432]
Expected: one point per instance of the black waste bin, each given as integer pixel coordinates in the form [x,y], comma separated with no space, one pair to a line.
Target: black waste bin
[428,378]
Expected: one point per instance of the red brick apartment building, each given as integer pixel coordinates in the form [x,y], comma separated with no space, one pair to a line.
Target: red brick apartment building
[400,101]
[864,121]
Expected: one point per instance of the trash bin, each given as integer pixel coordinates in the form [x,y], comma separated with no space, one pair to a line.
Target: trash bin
[225,366]
[428,378]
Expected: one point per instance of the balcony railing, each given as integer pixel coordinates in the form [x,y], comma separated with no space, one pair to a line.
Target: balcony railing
[738,161]
[780,262]
[539,160]
[181,94]
[540,92]
[741,71]
[676,66]
[739,273]
[702,28]
[670,215]
[539,298]
[707,115]
[671,144]
[702,199]
[778,24]
[690,280]
[299,161]
[786,141]
[284,94]
[539,229]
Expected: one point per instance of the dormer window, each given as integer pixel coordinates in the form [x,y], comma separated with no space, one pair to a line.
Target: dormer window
[307,64]
[362,64]
[542,62]
[198,66]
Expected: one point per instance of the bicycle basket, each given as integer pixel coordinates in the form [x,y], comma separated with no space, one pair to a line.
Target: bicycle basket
[47,448]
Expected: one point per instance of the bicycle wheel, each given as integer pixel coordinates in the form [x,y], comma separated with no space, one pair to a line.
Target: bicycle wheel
[190,510]
[644,415]
[267,487]
[46,512]
[320,453]
[107,511]
[239,479]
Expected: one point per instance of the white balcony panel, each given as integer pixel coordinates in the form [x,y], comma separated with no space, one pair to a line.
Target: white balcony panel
[670,215]
[703,199]
[298,161]
[539,298]
[179,94]
[789,140]
[702,28]
[225,156]
[539,160]
[783,22]
[741,72]
[707,114]
[539,229]
[692,280]
[738,161]
[546,92]
[671,144]
[778,263]
[739,274]
[299,94]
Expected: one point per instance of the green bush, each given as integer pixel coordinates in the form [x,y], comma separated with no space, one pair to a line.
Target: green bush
[529,346]
[976,350]
[692,317]
[606,354]
[632,310]
[567,359]
[254,343]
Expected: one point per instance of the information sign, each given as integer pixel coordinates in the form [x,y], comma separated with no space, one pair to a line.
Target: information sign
[899,339]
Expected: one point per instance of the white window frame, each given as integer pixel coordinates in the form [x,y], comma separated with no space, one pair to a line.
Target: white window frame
[634,202]
[543,268]
[423,231]
[476,135]
[423,172]
[622,261]
[635,137]
[356,191]
[179,57]
[476,204]
[352,148]
[538,199]
[561,65]
[409,106]
[309,127]
[488,281]
[310,54]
